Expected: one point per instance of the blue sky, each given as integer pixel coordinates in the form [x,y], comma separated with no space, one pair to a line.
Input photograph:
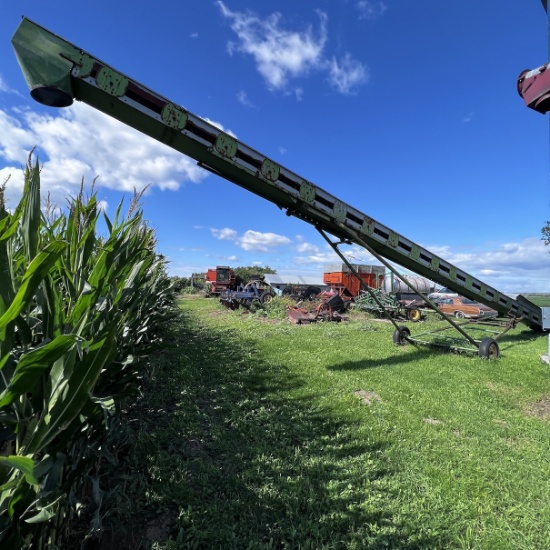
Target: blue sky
[408,111]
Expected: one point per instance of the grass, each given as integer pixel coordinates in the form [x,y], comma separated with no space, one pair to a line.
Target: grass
[257,433]
[542,300]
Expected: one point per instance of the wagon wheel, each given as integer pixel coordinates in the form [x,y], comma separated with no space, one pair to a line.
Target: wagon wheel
[414,315]
[400,335]
[488,349]
[266,297]
[459,315]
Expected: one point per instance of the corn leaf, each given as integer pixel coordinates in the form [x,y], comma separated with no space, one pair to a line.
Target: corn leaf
[46,512]
[22,463]
[37,270]
[31,213]
[31,366]
[79,386]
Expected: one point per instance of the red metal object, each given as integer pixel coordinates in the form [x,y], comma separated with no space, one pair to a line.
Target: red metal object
[348,283]
[534,88]
[300,315]
[220,279]
[327,310]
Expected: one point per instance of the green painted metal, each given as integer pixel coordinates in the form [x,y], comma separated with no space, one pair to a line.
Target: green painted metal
[112,82]
[58,72]
[307,191]
[46,64]
[270,170]
[173,116]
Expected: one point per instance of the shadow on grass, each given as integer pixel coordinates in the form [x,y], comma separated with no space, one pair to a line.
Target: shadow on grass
[397,358]
[233,452]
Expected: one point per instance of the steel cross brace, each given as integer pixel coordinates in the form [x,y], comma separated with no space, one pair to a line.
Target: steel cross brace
[385,263]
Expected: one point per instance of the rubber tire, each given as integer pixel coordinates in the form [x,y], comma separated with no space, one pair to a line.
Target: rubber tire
[311,293]
[266,297]
[400,335]
[414,315]
[460,315]
[488,349]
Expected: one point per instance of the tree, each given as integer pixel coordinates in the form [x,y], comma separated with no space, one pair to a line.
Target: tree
[546,233]
[179,283]
[245,274]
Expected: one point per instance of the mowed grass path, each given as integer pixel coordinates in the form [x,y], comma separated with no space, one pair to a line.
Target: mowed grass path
[259,433]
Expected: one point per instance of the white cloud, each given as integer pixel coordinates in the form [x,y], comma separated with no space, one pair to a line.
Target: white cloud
[83,143]
[252,241]
[311,254]
[345,75]
[242,98]
[219,126]
[369,9]
[261,242]
[281,54]
[278,53]
[4,87]
[307,248]
[224,234]
[522,266]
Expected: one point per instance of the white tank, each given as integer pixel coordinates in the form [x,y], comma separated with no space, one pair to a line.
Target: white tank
[418,284]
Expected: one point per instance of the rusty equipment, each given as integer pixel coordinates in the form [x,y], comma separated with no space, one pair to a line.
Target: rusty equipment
[328,309]
[340,277]
[219,280]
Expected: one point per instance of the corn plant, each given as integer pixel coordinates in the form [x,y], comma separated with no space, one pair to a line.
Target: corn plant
[78,313]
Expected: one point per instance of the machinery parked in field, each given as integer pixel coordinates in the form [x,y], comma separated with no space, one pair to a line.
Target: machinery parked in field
[219,280]
[341,278]
[245,295]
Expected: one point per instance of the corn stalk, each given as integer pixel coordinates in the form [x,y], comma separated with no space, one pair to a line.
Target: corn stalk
[78,313]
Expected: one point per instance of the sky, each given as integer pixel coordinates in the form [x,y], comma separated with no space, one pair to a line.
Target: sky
[407,111]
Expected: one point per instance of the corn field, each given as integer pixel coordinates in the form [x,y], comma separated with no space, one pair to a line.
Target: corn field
[79,311]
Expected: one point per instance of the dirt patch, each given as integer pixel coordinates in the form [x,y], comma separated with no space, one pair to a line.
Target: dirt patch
[367,397]
[540,409]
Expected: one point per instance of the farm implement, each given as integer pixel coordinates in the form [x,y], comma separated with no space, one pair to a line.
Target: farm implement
[59,72]
[328,308]
[253,291]
[387,304]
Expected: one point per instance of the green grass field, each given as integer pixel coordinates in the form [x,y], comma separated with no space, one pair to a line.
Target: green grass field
[258,433]
[542,300]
